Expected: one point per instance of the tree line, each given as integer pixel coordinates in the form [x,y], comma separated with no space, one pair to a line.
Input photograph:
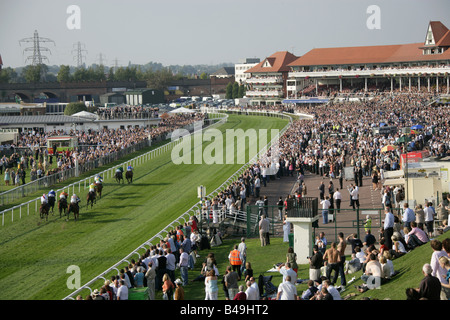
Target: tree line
[235,90]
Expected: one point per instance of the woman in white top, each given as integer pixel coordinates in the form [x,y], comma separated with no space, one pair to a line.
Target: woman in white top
[211,286]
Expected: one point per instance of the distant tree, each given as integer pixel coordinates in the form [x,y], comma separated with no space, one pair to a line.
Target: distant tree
[159,79]
[235,90]
[229,91]
[74,107]
[64,74]
[204,76]
[242,90]
[33,74]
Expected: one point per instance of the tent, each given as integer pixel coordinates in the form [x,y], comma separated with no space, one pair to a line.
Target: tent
[85,114]
[182,110]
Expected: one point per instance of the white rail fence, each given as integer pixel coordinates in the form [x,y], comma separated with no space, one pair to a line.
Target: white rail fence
[195,210]
[32,206]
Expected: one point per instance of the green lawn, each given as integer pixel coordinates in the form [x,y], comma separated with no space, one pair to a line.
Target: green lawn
[35,257]
[263,259]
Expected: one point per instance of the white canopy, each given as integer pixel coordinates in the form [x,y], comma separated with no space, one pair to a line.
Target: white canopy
[182,110]
[85,114]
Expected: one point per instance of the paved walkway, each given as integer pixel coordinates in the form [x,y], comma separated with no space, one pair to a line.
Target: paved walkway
[369,199]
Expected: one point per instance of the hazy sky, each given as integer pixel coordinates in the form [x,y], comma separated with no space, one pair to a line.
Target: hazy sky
[207,31]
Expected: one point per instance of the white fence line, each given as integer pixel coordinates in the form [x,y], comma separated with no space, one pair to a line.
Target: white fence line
[194,210]
[106,174]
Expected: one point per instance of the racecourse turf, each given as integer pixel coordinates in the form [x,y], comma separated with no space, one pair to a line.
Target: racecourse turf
[35,256]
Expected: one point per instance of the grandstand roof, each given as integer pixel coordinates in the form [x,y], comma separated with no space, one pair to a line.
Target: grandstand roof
[379,54]
[277,62]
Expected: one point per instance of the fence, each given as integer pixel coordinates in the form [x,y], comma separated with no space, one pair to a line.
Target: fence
[32,206]
[58,177]
[195,210]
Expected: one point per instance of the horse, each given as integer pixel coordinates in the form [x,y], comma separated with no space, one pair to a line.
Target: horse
[43,211]
[62,206]
[129,176]
[98,189]
[73,207]
[119,176]
[90,198]
[51,203]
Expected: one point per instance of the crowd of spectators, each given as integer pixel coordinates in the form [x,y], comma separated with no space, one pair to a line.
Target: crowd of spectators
[127,112]
[92,145]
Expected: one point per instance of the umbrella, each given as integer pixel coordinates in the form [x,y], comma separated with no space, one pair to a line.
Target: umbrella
[417,127]
[389,147]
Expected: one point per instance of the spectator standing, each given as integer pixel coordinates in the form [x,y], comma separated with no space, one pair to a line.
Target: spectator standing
[388,228]
[264,226]
[231,282]
[408,215]
[211,286]
[235,260]
[429,218]
[122,292]
[151,275]
[315,263]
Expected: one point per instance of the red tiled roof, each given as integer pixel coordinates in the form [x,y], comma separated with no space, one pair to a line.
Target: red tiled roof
[278,63]
[438,29]
[378,54]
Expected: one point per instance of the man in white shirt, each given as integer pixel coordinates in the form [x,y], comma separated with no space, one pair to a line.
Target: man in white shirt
[325,206]
[170,264]
[287,271]
[286,290]
[332,290]
[337,196]
[122,292]
[252,293]
[184,264]
[408,215]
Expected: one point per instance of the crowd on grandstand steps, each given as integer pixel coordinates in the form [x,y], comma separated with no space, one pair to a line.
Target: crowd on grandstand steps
[92,145]
[127,112]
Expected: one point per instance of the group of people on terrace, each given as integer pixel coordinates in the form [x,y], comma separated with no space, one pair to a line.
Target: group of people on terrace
[92,145]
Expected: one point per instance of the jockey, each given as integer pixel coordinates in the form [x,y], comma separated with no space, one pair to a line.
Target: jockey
[52,194]
[92,187]
[129,168]
[74,199]
[63,195]
[44,199]
[119,169]
[98,179]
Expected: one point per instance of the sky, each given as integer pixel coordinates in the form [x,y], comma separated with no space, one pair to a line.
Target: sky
[206,31]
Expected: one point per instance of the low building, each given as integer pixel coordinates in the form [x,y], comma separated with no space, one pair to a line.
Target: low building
[225,72]
[112,98]
[143,96]
[239,69]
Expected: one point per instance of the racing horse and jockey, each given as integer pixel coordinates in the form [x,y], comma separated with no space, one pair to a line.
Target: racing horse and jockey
[44,208]
[51,200]
[74,207]
[129,174]
[62,203]
[91,196]
[119,175]
[98,185]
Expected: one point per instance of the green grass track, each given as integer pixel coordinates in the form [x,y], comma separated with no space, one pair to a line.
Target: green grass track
[34,257]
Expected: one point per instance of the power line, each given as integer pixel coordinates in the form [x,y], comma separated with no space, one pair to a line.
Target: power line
[80,48]
[101,59]
[37,57]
